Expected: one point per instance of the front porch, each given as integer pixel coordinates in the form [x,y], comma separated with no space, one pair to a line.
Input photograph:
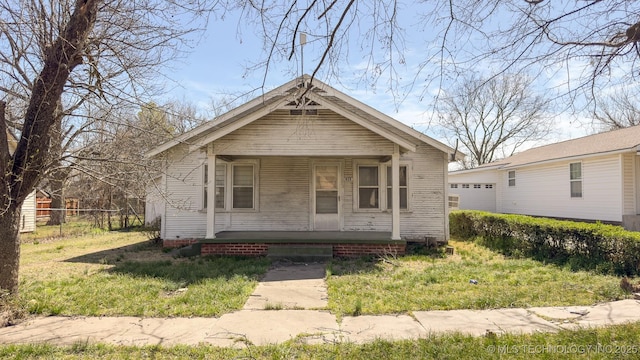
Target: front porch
[302,237]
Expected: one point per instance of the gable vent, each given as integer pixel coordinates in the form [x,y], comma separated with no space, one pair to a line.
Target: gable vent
[299,112]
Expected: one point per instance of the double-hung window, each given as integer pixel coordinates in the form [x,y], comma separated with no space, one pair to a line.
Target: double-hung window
[243,190]
[221,171]
[205,186]
[368,187]
[374,187]
[403,187]
[235,185]
[575,179]
[512,178]
[221,176]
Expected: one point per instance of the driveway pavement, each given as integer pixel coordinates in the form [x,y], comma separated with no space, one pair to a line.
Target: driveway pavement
[297,294]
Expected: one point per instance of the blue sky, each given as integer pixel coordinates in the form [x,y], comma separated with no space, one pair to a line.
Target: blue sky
[216,68]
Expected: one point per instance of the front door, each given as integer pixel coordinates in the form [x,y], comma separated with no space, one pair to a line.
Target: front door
[326,186]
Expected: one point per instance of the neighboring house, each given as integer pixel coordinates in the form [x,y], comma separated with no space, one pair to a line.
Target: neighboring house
[28,212]
[303,163]
[595,177]
[43,205]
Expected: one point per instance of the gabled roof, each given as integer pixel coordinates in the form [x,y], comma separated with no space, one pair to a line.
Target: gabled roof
[611,142]
[315,92]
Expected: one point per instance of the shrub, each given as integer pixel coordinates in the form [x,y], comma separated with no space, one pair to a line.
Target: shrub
[152,230]
[594,246]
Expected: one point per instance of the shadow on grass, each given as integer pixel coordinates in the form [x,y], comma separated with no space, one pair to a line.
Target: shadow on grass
[186,272]
[111,255]
[147,259]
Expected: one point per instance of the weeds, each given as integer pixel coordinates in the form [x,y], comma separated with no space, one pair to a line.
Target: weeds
[271,306]
[357,309]
[121,273]
[434,346]
[434,282]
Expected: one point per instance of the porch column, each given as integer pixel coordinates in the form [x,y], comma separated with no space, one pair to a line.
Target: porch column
[211,193]
[395,193]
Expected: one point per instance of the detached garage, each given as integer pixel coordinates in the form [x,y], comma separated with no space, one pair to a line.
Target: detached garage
[477,190]
[474,196]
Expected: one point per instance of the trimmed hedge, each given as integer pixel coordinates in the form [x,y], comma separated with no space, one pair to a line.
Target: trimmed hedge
[605,248]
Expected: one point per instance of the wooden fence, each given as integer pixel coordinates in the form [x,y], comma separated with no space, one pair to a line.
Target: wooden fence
[43,207]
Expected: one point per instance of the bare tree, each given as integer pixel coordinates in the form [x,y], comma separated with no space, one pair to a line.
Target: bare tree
[73,53]
[493,118]
[335,29]
[111,172]
[580,47]
[125,49]
[617,110]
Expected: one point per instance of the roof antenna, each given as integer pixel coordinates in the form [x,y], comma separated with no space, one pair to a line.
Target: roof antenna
[303,42]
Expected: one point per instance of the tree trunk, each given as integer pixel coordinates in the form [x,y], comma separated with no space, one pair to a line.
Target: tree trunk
[58,175]
[9,250]
[26,165]
[56,182]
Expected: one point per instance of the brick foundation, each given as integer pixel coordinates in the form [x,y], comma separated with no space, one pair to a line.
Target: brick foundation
[354,250]
[177,243]
[234,249]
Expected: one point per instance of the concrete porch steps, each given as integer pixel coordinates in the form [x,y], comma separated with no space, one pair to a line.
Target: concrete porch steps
[300,252]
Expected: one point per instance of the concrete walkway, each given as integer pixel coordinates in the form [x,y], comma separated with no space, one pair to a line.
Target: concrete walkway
[301,288]
[291,286]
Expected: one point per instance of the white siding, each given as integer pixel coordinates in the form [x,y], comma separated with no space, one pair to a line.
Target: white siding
[285,198]
[426,216]
[154,203]
[544,191]
[472,198]
[488,176]
[184,216]
[28,214]
[629,184]
[325,134]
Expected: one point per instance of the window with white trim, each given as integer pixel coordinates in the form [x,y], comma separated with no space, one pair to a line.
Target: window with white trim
[221,171]
[477,186]
[453,186]
[242,192]
[235,185]
[454,201]
[512,178]
[575,179]
[403,187]
[488,186]
[205,185]
[221,180]
[368,187]
[465,186]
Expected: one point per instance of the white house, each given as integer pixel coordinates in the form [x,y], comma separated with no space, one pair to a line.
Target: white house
[154,203]
[595,177]
[303,163]
[28,211]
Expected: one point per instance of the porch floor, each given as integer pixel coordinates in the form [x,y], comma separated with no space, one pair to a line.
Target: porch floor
[301,237]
